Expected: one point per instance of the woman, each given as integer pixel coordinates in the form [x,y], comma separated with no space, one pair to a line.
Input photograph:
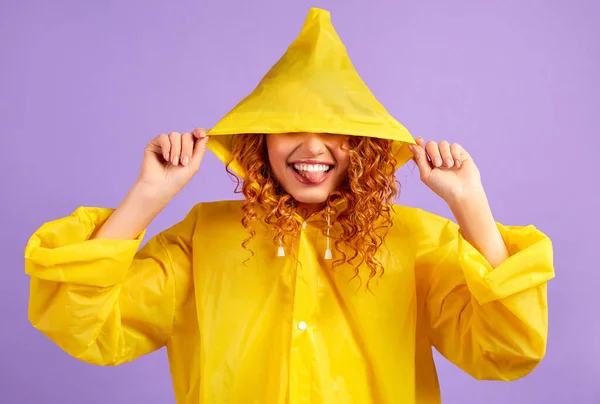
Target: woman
[325,290]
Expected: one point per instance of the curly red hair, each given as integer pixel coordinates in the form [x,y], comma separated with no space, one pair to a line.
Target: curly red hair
[369,189]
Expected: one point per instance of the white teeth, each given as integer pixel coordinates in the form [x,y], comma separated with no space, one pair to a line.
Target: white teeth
[311,167]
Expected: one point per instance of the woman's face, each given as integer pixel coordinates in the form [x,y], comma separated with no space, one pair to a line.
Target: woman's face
[309,166]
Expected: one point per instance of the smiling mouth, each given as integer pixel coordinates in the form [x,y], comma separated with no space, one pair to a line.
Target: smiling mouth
[308,168]
[311,173]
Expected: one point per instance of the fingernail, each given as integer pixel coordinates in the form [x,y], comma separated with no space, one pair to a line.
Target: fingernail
[449,162]
[167,156]
[185,160]
[175,159]
[411,148]
[438,162]
[458,162]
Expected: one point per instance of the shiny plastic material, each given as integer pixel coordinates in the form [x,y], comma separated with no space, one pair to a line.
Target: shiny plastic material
[312,88]
[276,330]
[286,330]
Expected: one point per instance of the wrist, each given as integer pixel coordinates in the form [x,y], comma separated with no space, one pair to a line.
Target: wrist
[146,195]
[135,212]
[469,200]
[478,226]
[472,209]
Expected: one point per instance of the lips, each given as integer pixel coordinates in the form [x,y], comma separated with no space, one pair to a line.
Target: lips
[311,173]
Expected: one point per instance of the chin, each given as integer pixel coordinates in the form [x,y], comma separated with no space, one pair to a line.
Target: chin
[310,197]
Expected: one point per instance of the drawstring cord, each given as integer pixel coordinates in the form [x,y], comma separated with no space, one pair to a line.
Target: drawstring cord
[328,255]
[280,250]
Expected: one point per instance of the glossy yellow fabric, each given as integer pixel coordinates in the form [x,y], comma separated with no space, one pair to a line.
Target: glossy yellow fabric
[232,331]
[312,88]
[287,330]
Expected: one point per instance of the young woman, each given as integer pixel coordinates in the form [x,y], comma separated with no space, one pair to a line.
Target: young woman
[316,287]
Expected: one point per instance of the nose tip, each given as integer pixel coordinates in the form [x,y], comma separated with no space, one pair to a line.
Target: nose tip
[314,143]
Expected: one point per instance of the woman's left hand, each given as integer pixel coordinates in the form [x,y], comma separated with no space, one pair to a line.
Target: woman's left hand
[448,170]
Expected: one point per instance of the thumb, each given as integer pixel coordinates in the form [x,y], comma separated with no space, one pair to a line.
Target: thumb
[199,149]
[420,158]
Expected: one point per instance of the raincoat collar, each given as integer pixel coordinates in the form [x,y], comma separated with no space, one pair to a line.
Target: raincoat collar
[317,218]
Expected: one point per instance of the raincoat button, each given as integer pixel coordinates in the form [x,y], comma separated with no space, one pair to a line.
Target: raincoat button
[304,225]
[302,325]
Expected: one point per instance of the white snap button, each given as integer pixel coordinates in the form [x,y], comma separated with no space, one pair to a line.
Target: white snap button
[302,325]
[304,225]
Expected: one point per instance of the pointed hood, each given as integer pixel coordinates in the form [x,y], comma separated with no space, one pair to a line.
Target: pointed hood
[314,87]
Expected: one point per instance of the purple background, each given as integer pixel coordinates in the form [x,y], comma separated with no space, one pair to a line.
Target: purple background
[85,85]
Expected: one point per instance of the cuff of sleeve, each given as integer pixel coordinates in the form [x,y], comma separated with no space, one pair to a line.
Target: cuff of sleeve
[530,264]
[61,251]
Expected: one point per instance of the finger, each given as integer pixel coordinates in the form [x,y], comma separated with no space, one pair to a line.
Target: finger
[433,152]
[175,138]
[198,154]
[187,147]
[199,133]
[456,151]
[162,141]
[444,148]
[420,142]
[421,159]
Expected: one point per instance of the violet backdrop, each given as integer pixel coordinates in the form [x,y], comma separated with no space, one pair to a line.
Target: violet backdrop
[85,85]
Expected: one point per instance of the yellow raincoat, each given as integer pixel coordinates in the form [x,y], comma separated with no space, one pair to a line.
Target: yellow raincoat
[284,331]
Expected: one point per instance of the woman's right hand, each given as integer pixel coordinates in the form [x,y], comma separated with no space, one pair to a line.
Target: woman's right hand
[170,161]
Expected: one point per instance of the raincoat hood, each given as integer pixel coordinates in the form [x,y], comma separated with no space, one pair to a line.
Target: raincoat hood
[315,88]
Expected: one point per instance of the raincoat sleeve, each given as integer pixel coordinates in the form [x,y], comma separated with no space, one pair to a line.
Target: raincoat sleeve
[490,322]
[103,301]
